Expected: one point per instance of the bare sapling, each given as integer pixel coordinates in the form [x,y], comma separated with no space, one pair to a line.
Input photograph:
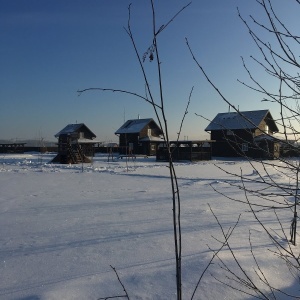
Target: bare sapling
[158,105]
[274,196]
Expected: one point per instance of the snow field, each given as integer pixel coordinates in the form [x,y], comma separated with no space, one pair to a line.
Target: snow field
[62,226]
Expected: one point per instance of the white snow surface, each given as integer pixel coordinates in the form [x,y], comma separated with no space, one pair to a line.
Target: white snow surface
[62,227]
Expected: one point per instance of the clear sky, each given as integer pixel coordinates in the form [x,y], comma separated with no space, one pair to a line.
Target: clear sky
[52,48]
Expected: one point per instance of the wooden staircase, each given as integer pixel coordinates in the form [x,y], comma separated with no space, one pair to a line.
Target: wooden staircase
[76,155]
[70,153]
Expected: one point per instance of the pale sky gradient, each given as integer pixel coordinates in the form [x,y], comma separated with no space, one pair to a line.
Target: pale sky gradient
[52,48]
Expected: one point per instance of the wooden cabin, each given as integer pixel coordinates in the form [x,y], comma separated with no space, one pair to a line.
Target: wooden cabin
[139,137]
[75,144]
[191,150]
[248,133]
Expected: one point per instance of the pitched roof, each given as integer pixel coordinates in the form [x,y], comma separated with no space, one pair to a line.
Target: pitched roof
[71,128]
[134,126]
[242,120]
[264,137]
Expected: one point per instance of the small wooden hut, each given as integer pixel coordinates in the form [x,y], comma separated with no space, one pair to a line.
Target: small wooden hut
[75,144]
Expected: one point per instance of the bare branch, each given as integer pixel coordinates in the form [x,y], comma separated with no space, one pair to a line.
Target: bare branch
[118,91]
[118,296]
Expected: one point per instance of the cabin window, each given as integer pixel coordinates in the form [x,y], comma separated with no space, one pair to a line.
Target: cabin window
[153,147]
[130,146]
[266,129]
[229,132]
[149,131]
[81,135]
[245,147]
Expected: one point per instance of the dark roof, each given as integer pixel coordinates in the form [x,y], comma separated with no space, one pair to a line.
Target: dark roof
[242,120]
[72,128]
[134,126]
[266,137]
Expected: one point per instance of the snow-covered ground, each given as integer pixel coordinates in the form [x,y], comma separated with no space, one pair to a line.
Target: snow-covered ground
[62,227]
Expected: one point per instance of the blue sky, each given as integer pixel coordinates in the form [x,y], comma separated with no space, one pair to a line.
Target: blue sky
[52,48]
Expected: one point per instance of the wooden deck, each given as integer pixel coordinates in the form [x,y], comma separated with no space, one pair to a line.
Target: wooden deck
[12,148]
[132,156]
[191,150]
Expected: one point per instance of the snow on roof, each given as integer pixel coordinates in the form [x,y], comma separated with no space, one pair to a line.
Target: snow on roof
[133,126]
[263,137]
[71,128]
[234,120]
